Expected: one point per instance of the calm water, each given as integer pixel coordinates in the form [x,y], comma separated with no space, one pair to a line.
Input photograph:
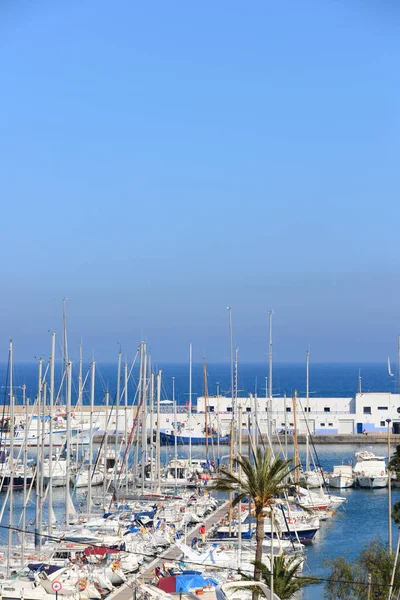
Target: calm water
[326,380]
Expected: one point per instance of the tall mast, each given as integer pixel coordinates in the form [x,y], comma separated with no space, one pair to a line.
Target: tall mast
[190,403]
[398,364]
[51,401]
[236,378]
[144,418]
[92,383]
[11,460]
[231,360]
[158,446]
[116,451]
[270,355]
[175,430]
[105,450]
[151,406]
[205,404]
[25,402]
[296,443]
[40,490]
[68,442]
[126,420]
[239,554]
[232,428]
[65,341]
[307,410]
[39,467]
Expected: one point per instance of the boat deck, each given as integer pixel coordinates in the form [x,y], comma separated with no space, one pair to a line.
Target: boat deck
[126,591]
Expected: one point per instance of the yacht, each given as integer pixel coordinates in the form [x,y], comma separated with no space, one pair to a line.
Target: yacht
[370,470]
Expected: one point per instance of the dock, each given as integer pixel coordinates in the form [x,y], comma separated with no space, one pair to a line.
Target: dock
[126,591]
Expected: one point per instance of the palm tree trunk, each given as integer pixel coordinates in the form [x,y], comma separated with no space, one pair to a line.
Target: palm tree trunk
[259,549]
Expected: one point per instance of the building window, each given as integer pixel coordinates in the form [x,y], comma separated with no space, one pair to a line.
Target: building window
[210,409]
[308,409]
[283,424]
[244,424]
[288,409]
[330,424]
[327,409]
[367,410]
[248,409]
[229,409]
[382,423]
[383,408]
[291,424]
[322,424]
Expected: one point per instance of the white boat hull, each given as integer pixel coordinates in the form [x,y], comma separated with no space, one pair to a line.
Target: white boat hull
[371,482]
[341,481]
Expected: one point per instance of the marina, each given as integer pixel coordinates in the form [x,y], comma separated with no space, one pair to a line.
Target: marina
[111,508]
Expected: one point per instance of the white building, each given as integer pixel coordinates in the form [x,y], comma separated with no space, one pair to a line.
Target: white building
[366,412]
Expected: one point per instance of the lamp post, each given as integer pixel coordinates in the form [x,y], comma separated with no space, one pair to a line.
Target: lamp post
[388,421]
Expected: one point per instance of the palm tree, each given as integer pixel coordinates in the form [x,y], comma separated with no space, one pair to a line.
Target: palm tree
[263,478]
[286,581]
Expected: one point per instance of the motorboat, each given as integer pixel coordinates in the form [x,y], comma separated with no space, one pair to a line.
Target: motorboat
[341,477]
[370,470]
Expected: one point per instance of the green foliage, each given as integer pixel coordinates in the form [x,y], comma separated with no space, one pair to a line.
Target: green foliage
[349,580]
[286,581]
[262,477]
[396,513]
[394,464]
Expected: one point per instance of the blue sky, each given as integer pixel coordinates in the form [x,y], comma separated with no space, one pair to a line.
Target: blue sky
[161,161]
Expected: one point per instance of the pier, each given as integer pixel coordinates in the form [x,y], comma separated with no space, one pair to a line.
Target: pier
[126,591]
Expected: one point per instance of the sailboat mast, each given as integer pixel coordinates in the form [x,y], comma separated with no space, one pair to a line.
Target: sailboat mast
[116,447]
[190,403]
[42,441]
[39,467]
[398,364]
[144,419]
[151,406]
[205,404]
[158,446]
[25,403]
[68,442]
[307,411]
[92,384]
[51,401]
[11,460]
[105,450]
[270,357]
[239,554]
[175,430]
[126,420]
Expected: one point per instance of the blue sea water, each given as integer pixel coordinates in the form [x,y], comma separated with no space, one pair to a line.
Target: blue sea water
[363,517]
[340,380]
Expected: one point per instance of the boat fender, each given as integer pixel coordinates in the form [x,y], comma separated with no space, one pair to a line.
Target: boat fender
[292,520]
[82,584]
[81,519]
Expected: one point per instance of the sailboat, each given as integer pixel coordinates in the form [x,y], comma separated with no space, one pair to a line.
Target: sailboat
[389,368]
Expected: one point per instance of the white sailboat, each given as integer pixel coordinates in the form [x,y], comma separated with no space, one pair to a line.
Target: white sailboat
[389,368]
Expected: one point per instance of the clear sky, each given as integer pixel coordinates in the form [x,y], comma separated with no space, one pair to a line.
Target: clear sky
[162,160]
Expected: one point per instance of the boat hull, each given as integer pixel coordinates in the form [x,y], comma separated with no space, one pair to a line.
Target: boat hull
[372,482]
[340,482]
[169,439]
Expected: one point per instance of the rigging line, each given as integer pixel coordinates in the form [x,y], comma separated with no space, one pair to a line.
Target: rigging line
[181,560]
